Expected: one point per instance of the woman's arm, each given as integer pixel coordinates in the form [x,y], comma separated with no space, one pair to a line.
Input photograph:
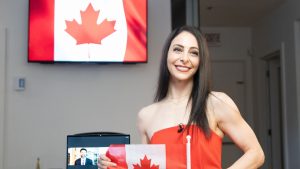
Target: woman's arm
[230,121]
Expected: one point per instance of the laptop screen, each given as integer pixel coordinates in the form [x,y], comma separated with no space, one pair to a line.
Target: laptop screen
[83,150]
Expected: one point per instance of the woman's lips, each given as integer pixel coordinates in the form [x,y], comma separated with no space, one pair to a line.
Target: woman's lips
[182,68]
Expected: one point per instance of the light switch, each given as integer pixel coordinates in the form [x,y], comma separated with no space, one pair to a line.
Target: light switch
[20,83]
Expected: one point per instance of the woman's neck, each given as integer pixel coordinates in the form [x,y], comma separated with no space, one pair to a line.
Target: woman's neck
[179,89]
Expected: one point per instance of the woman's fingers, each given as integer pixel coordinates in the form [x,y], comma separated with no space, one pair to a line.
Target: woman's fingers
[103,157]
[104,162]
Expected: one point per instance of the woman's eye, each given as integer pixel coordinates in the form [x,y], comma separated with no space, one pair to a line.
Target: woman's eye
[195,53]
[177,50]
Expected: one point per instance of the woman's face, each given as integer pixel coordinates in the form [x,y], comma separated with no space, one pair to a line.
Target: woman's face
[183,57]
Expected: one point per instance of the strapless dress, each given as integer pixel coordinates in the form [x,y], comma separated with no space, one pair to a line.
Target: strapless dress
[205,152]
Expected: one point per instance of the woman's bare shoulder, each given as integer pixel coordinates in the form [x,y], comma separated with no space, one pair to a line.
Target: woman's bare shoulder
[222,104]
[217,95]
[221,98]
[144,118]
[147,112]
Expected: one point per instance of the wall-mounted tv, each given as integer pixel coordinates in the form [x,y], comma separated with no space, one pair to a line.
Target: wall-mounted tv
[87,31]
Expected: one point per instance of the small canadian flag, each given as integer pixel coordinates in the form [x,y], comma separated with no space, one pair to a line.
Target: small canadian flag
[88,30]
[151,156]
[144,156]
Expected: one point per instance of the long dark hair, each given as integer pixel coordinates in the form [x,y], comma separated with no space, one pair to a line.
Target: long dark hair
[201,80]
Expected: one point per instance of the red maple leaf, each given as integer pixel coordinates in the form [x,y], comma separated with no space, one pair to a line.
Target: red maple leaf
[145,164]
[89,31]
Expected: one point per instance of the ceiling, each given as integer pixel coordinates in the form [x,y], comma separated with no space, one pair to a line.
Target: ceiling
[235,12]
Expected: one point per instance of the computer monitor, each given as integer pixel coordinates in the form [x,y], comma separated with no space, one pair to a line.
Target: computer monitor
[91,145]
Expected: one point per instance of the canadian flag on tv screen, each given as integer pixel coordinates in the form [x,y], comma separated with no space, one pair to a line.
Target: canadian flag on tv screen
[148,156]
[88,30]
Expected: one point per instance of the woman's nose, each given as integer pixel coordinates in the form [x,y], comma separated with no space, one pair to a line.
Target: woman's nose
[184,58]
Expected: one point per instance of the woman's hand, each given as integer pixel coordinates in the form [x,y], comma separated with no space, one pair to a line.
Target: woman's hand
[104,162]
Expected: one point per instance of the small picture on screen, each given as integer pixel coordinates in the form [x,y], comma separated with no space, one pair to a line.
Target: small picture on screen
[87,31]
[84,156]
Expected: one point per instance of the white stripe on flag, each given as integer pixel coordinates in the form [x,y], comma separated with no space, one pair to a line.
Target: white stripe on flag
[155,153]
[112,48]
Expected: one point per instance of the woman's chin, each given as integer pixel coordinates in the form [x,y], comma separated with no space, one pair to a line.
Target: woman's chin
[182,78]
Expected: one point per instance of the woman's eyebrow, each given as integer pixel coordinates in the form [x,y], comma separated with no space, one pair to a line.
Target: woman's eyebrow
[183,46]
[178,45]
[194,48]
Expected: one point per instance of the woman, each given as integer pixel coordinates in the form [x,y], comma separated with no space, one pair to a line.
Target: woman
[185,105]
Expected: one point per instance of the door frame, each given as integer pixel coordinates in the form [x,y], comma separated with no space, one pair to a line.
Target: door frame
[262,129]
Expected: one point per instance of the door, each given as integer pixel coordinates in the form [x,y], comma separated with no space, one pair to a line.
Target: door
[229,77]
[275,113]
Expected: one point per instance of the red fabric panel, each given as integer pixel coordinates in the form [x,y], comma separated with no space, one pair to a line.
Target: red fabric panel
[136,18]
[41,30]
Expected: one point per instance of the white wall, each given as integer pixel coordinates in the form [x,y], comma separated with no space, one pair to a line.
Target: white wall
[64,99]
[268,35]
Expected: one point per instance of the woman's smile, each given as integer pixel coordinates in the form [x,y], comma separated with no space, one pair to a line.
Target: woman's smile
[182,68]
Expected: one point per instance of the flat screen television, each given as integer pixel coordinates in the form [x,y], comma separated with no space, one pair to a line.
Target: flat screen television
[92,145]
[87,31]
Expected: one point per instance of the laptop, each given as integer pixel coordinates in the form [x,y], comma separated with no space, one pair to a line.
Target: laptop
[83,149]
